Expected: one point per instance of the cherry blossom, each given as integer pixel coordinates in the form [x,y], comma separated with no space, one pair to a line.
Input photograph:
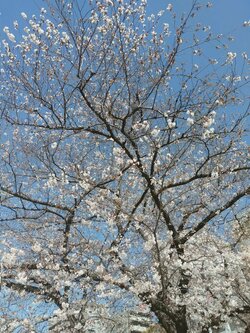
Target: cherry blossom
[124,170]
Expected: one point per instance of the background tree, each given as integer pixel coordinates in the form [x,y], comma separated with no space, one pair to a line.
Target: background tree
[123,163]
[241,236]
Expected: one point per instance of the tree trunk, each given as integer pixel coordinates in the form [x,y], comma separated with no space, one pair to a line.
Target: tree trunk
[181,326]
[171,322]
[166,320]
[247,328]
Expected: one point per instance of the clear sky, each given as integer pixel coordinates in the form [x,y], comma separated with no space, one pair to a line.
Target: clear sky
[226,16]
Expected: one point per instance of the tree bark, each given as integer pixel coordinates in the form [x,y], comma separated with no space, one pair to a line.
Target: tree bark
[170,321]
[181,326]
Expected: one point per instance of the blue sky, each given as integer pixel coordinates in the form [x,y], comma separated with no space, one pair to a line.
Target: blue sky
[226,16]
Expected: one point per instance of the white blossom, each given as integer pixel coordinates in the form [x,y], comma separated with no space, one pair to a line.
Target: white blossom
[230,57]
[15,23]
[246,23]
[24,16]
[213,61]
[171,124]
[190,121]
[244,55]
[169,7]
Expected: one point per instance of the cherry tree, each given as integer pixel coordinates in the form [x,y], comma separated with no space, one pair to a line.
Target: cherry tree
[123,164]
